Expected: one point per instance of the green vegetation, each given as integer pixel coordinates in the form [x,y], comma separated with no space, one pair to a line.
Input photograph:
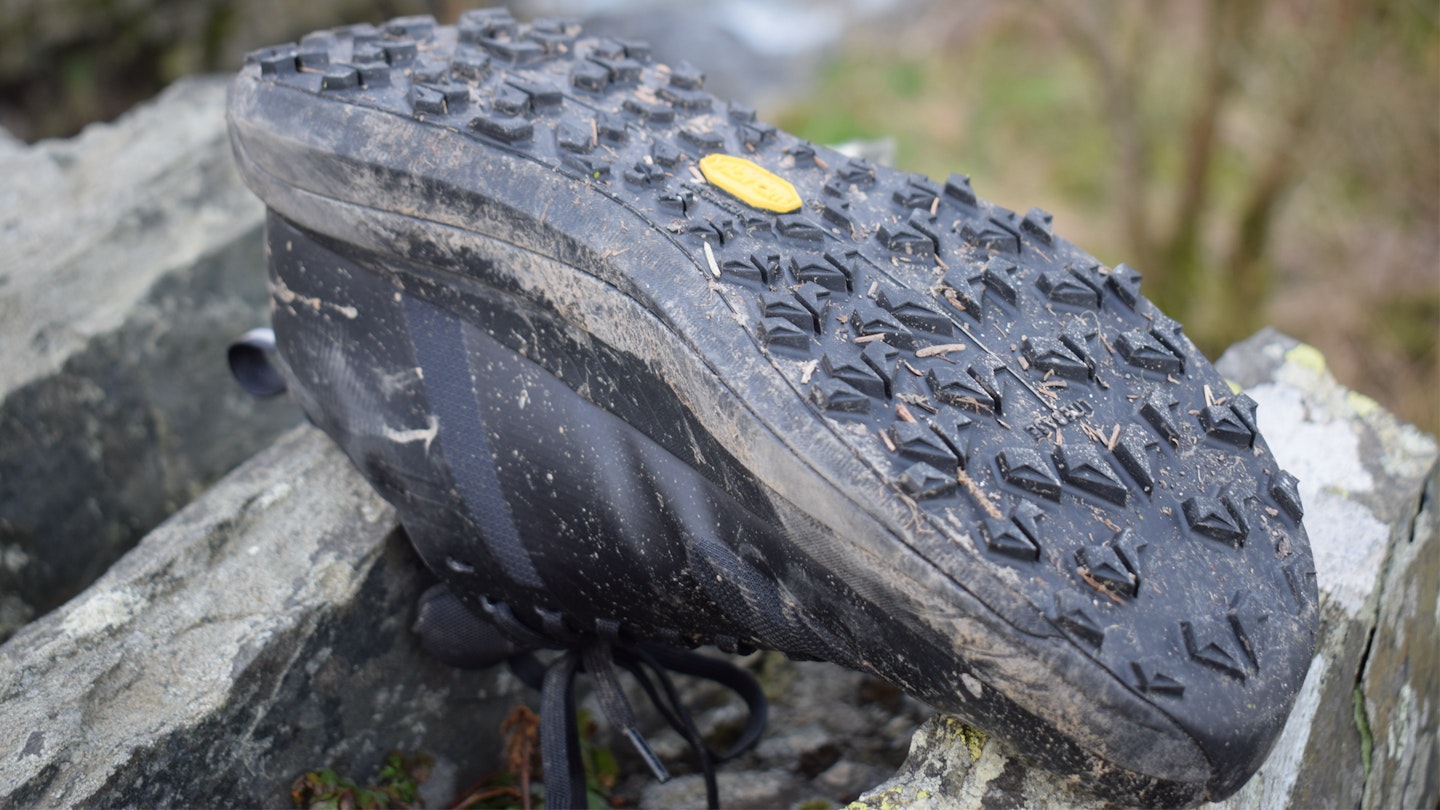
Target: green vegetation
[515,786]
[1362,724]
[397,785]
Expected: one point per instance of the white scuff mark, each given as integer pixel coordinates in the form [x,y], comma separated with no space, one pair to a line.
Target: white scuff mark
[391,383]
[710,260]
[285,295]
[426,435]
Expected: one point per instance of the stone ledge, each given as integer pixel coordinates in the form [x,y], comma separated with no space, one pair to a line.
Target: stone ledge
[131,256]
[259,633]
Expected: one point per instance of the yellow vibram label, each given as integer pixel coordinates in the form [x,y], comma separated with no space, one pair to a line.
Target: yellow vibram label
[750,184]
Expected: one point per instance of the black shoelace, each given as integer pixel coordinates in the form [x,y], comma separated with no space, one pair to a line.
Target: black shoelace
[456,635]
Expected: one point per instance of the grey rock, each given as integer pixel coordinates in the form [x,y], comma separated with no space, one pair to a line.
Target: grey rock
[787,747]
[847,778]
[1401,684]
[738,789]
[129,256]
[9,144]
[260,633]
[952,765]
[1363,731]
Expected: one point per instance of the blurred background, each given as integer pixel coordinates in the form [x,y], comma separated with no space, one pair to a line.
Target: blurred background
[1261,163]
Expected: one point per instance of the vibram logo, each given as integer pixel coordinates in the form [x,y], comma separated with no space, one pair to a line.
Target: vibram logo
[749,183]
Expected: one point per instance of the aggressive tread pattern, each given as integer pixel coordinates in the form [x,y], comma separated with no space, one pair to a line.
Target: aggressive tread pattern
[1001,372]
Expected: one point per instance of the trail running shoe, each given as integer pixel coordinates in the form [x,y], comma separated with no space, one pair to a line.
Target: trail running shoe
[639,370]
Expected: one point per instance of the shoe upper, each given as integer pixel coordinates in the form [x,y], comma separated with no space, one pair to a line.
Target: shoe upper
[777,398]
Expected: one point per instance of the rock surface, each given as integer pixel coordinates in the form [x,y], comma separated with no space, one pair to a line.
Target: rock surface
[1363,731]
[260,633]
[129,257]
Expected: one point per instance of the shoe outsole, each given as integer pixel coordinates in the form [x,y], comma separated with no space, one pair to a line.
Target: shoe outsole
[1056,446]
